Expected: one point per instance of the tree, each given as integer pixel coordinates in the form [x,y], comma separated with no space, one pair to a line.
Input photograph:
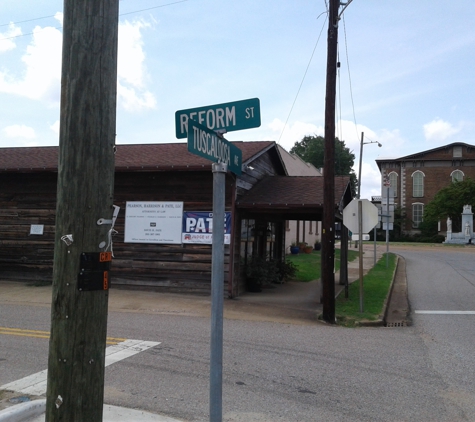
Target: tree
[449,202]
[311,149]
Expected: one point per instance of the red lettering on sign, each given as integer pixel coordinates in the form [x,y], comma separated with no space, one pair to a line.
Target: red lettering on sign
[105,256]
[106,280]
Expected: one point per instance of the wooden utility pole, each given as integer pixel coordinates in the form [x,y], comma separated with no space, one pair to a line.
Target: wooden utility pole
[328,229]
[85,190]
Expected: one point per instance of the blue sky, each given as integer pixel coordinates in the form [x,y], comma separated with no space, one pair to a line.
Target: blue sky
[406,80]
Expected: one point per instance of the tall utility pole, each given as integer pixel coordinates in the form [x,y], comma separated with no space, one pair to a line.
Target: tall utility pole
[328,229]
[84,211]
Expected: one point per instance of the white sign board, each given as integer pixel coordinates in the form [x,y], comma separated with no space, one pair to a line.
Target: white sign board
[36,229]
[153,222]
[356,237]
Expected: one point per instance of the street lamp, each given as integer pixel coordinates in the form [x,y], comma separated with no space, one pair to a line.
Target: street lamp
[361,160]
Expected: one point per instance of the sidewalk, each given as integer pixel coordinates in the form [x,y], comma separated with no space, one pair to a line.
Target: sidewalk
[290,303]
[34,411]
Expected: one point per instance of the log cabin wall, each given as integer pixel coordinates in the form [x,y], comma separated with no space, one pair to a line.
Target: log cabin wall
[29,197]
[176,268]
[26,199]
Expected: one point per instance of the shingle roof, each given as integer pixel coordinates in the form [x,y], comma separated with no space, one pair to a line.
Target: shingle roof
[128,157]
[295,166]
[291,192]
[422,153]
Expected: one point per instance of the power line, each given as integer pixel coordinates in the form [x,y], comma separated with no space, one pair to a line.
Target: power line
[151,8]
[27,20]
[301,83]
[57,27]
[349,78]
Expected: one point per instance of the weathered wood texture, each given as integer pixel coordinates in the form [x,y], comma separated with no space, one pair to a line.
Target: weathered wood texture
[263,166]
[27,199]
[177,268]
[76,363]
[30,198]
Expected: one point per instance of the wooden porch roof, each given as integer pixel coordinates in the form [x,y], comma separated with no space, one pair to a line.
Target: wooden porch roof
[292,198]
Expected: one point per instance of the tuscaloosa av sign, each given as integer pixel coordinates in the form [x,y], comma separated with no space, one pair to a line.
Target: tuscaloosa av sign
[207,144]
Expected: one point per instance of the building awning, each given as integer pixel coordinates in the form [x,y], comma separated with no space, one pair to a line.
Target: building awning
[292,198]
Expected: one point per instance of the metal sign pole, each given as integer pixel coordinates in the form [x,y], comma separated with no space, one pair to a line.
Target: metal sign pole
[374,236]
[217,295]
[360,243]
[387,229]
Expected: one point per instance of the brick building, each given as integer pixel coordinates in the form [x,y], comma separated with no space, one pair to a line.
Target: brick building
[416,178]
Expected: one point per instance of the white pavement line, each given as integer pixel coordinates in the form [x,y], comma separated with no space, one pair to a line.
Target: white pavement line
[126,349]
[36,384]
[446,312]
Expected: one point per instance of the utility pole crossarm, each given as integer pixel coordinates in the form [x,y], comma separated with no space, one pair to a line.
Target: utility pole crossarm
[345,5]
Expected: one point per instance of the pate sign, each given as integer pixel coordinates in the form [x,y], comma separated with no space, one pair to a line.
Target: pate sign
[198,227]
[153,222]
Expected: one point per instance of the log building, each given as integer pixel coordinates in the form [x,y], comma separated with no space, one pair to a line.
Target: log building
[260,200]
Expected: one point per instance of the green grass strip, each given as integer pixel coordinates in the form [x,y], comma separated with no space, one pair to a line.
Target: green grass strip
[309,265]
[376,286]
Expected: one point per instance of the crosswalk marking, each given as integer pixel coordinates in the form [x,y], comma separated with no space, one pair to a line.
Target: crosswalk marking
[446,312]
[35,384]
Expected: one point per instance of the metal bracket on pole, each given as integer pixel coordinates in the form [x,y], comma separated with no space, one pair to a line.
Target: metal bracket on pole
[102,221]
[219,167]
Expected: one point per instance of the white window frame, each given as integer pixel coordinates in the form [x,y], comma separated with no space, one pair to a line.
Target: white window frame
[454,173]
[417,223]
[418,191]
[393,180]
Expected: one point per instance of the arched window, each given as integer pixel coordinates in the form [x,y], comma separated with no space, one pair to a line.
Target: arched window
[418,184]
[417,213]
[393,181]
[457,176]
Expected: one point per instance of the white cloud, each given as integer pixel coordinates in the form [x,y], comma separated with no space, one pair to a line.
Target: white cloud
[131,91]
[19,132]
[59,17]
[132,100]
[55,127]
[7,41]
[370,181]
[439,130]
[293,133]
[41,79]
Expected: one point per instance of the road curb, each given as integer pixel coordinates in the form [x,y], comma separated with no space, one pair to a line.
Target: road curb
[23,411]
[381,321]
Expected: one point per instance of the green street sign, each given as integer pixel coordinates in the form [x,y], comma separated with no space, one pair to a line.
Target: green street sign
[207,144]
[237,115]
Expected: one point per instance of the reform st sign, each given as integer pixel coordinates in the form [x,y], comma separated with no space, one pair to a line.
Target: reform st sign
[369,216]
[228,117]
[207,144]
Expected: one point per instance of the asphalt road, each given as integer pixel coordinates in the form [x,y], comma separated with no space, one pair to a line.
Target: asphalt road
[441,284]
[286,372]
